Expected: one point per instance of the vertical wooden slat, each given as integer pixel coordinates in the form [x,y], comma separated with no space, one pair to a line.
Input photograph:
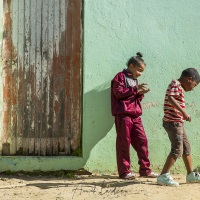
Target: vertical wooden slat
[50,78]
[26,83]
[32,76]
[68,77]
[67,89]
[20,94]
[73,64]
[14,79]
[38,115]
[76,63]
[7,65]
[44,71]
[56,63]
[76,86]
[61,80]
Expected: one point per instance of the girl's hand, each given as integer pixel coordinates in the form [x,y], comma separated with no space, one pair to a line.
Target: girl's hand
[142,88]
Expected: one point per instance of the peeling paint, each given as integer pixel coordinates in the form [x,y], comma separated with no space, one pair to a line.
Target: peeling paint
[42,77]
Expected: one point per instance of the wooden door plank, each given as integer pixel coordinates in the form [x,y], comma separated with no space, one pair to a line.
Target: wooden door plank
[38,79]
[26,83]
[14,77]
[7,65]
[50,92]
[76,86]
[45,7]
[68,78]
[61,85]
[33,17]
[56,63]
[73,60]
[20,77]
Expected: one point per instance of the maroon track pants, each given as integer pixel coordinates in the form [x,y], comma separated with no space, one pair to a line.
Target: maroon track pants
[131,131]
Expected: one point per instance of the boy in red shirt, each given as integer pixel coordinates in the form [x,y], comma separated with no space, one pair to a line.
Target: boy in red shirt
[126,97]
[173,122]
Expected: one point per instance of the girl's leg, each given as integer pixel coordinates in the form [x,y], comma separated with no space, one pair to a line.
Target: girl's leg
[123,125]
[140,144]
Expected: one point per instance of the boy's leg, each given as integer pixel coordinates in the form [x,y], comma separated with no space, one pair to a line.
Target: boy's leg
[123,126]
[178,142]
[188,163]
[140,144]
[191,177]
[171,159]
[175,132]
[187,158]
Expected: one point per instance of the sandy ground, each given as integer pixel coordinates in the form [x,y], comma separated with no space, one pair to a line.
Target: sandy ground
[92,187]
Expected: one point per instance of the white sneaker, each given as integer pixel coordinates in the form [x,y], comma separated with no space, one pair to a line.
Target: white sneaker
[166,179]
[151,175]
[193,177]
[130,176]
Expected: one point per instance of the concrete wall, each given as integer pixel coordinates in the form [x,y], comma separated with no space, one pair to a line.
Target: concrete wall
[167,33]
[114,30]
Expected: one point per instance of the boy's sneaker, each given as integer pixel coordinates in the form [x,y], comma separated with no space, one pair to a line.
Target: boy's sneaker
[130,176]
[151,175]
[193,177]
[166,179]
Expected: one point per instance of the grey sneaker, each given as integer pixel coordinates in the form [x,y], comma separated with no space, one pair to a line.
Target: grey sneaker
[151,175]
[166,179]
[193,177]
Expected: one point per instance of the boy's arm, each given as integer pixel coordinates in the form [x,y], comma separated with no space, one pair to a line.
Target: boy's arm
[174,103]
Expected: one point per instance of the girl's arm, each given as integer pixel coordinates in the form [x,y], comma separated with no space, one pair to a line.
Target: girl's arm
[120,91]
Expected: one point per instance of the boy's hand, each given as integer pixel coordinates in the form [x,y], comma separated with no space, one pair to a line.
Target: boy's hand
[178,107]
[142,88]
[186,117]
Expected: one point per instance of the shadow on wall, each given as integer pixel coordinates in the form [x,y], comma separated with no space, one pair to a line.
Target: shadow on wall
[97,118]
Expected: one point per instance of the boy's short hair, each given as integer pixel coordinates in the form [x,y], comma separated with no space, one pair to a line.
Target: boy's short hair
[191,72]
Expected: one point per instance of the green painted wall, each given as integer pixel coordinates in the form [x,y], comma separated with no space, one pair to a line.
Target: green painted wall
[168,36]
[167,33]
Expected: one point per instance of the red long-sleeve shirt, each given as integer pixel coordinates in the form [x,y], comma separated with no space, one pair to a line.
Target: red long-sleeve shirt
[124,95]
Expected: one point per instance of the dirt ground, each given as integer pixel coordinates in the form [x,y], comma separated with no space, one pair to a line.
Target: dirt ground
[92,187]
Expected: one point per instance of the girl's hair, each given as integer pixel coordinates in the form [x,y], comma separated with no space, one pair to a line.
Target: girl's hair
[191,72]
[136,60]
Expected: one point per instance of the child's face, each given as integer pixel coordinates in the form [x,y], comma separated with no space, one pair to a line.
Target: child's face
[136,70]
[190,84]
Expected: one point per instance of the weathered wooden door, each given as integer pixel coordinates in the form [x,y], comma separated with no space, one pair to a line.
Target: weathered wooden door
[42,76]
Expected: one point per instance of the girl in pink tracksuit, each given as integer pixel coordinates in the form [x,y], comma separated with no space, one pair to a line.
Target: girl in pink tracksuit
[126,97]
